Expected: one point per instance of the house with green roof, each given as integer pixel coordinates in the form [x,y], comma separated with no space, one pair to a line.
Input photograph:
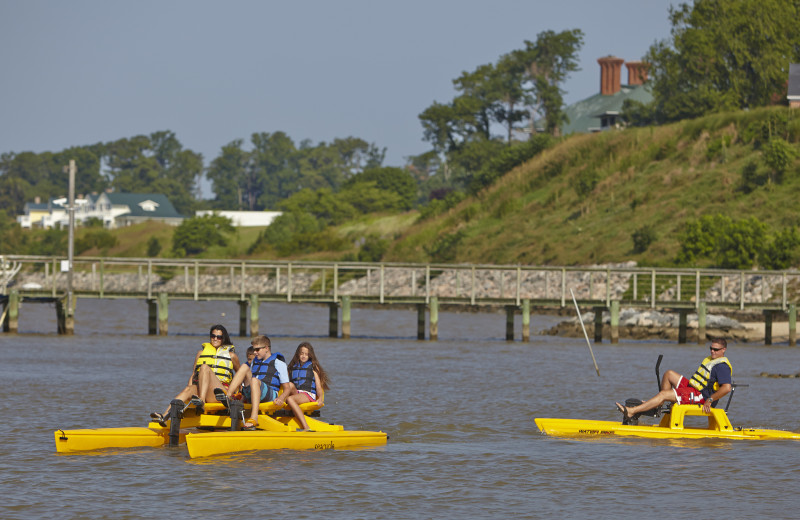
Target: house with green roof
[113,209]
[125,209]
[602,111]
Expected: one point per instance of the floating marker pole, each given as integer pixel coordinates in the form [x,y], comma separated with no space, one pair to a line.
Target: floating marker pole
[580,318]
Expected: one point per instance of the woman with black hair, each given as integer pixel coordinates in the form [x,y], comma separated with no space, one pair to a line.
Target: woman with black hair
[214,366]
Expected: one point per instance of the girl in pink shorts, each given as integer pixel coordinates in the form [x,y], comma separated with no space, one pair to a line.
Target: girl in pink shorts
[307,382]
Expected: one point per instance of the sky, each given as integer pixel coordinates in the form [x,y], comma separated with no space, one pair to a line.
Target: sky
[80,72]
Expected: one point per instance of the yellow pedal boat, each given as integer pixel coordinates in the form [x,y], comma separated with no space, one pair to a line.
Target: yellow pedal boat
[277,430]
[672,426]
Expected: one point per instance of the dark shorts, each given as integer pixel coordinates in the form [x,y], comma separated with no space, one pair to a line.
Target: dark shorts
[266,393]
[687,394]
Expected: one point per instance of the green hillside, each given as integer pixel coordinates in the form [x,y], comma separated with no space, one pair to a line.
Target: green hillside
[581,201]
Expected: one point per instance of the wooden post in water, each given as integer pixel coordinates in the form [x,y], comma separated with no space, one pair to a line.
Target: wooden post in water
[701,323]
[69,314]
[615,321]
[598,324]
[61,315]
[434,324]
[767,327]
[163,313]
[243,318]
[420,321]
[792,325]
[526,319]
[333,320]
[152,317]
[254,315]
[345,317]
[510,311]
[682,313]
[12,317]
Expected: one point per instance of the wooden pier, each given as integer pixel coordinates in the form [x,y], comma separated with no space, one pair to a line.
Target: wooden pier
[343,286]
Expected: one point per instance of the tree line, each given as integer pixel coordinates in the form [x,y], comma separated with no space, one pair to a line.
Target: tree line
[721,55]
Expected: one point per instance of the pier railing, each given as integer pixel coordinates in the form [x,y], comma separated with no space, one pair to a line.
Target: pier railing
[518,288]
[463,284]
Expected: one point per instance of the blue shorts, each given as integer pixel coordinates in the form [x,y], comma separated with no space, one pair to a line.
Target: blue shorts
[267,394]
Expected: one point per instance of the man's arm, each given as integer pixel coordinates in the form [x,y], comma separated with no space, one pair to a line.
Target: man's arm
[721,392]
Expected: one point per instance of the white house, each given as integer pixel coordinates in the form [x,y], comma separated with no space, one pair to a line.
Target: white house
[113,209]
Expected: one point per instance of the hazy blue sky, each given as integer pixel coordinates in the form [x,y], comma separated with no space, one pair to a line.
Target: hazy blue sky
[83,71]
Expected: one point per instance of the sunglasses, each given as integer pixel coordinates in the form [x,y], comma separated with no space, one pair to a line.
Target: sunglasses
[716,349]
[256,349]
[217,336]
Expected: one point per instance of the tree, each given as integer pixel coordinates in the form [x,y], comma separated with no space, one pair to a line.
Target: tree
[323,205]
[155,163]
[390,179]
[270,173]
[227,173]
[196,234]
[550,60]
[27,174]
[724,55]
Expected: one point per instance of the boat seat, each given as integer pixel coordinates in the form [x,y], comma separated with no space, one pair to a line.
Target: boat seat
[717,418]
[268,408]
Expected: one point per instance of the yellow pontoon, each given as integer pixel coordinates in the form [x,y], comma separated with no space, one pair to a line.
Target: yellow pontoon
[190,424]
[671,427]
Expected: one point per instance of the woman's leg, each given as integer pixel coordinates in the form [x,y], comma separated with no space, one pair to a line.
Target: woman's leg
[282,398]
[294,402]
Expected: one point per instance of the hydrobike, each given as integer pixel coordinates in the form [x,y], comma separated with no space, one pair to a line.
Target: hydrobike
[671,426]
[214,429]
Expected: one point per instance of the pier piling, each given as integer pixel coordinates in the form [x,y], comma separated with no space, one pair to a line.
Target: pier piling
[598,324]
[510,311]
[346,316]
[163,313]
[333,320]
[254,315]
[152,317]
[434,324]
[11,323]
[421,321]
[526,320]
[615,321]
[701,323]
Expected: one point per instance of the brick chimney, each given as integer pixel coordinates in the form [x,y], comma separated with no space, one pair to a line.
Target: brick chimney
[637,72]
[610,71]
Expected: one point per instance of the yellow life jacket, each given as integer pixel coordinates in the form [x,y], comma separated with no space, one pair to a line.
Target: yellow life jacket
[700,378]
[219,359]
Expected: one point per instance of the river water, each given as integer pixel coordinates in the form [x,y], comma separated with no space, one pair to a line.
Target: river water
[459,413]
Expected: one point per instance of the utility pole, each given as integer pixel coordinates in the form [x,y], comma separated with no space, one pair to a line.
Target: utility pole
[70,248]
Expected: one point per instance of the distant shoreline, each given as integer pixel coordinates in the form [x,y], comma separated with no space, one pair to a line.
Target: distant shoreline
[750,332]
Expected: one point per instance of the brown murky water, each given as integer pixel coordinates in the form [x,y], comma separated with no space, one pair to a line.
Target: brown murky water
[459,413]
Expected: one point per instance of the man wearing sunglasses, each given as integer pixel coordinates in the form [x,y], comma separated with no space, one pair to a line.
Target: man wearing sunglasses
[711,382]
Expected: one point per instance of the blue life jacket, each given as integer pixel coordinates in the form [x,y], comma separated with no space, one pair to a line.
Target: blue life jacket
[303,377]
[265,370]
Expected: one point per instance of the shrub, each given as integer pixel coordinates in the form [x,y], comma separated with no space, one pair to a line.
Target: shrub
[196,234]
[778,155]
[153,247]
[444,248]
[642,238]
[101,239]
[373,249]
[782,250]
